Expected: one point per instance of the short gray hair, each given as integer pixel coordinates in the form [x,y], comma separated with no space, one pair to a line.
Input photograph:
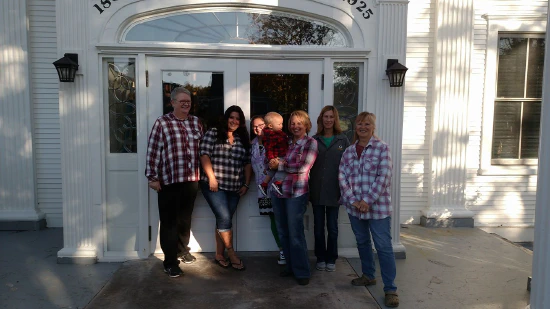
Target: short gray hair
[177,91]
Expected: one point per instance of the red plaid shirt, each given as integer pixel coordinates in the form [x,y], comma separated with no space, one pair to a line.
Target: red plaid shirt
[173,150]
[275,143]
[297,164]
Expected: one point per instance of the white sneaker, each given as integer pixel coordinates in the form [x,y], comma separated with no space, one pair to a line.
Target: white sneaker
[281,260]
[321,266]
[331,267]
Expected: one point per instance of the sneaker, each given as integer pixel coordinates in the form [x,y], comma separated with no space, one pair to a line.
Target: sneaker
[187,258]
[263,188]
[363,281]
[173,271]
[331,267]
[303,281]
[321,266]
[281,260]
[278,187]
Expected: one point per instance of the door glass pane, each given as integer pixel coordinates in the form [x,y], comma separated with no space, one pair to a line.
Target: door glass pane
[530,130]
[535,68]
[206,93]
[346,94]
[237,26]
[282,93]
[506,130]
[512,57]
[121,96]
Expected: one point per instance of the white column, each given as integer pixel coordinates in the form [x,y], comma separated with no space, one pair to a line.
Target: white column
[18,208]
[452,65]
[79,234]
[390,105]
[540,285]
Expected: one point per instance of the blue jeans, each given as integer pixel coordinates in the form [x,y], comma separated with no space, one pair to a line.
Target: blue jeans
[289,216]
[223,204]
[380,231]
[326,251]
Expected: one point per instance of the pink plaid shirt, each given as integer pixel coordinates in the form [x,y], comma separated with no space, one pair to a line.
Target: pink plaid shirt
[367,178]
[299,160]
[173,150]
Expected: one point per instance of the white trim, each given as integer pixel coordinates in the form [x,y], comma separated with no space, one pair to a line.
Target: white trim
[21,215]
[497,24]
[120,256]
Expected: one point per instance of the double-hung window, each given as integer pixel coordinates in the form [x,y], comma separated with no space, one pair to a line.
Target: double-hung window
[517,103]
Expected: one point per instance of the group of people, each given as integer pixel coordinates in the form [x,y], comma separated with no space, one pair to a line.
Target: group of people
[290,171]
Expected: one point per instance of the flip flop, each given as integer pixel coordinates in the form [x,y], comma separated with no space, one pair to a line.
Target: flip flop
[238,264]
[220,263]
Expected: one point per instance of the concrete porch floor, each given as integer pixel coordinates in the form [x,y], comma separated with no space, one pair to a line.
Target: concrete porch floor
[445,268]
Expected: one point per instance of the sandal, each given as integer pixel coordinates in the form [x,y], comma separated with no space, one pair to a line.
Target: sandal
[241,268]
[222,263]
[391,300]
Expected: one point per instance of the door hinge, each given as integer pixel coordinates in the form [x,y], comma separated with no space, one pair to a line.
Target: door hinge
[322,81]
[149,233]
[147,80]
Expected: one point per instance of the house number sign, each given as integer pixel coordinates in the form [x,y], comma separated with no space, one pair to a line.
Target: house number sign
[361,6]
[103,5]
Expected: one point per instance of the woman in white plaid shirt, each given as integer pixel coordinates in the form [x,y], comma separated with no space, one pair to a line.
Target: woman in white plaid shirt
[225,177]
[365,185]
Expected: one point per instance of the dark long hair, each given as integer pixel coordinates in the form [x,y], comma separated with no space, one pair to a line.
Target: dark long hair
[242,132]
[252,133]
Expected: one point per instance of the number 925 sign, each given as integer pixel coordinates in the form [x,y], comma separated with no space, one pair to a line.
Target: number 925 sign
[361,6]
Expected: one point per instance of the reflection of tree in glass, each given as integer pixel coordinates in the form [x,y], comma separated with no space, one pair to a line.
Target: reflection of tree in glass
[122,107]
[282,93]
[346,96]
[284,30]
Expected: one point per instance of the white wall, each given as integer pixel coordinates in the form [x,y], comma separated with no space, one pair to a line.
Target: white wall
[45,108]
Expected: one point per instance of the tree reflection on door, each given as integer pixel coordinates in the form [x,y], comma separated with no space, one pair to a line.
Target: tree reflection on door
[281,93]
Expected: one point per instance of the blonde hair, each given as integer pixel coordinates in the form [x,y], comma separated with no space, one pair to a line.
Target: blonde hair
[336,128]
[271,116]
[304,118]
[362,117]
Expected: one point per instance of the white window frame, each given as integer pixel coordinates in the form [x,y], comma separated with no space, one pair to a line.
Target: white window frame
[502,24]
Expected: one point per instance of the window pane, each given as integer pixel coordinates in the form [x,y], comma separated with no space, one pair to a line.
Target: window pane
[530,130]
[346,94]
[512,57]
[206,93]
[282,93]
[238,27]
[121,90]
[535,68]
[506,130]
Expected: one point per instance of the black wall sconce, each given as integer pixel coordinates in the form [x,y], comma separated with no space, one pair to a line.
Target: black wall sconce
[66,67]
[396,73]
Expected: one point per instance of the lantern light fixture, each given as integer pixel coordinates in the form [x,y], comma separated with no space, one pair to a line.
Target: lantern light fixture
[396,73]
[66,67]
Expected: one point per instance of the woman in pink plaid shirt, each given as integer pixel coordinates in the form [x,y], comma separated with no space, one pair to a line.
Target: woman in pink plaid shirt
[365,185]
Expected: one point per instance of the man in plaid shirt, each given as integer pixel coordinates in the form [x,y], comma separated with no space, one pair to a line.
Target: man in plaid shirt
[172,169]
[275,141]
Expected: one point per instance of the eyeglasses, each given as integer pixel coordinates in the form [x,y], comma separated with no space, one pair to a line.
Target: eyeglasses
[259,126]
[184,102]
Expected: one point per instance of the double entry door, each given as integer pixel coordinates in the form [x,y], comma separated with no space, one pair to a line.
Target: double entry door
[257,86]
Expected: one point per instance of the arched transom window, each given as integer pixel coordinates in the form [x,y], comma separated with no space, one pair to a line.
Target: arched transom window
[237,26]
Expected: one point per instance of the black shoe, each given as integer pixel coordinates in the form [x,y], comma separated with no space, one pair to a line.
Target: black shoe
[173,271]
[187,258]
[303,281]
[286,273]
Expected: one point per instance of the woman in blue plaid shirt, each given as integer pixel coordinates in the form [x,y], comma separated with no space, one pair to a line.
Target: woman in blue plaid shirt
[225,177]
[364,175]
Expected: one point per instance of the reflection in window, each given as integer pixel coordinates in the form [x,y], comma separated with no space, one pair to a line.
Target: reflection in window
[238,27]
[346,94]
[121,92]
[516,124]
[206,93]
[282,93]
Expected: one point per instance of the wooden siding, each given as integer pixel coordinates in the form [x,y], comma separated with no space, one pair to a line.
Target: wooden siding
[45,98]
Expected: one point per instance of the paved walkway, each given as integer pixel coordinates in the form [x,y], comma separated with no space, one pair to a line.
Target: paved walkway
[445,268]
